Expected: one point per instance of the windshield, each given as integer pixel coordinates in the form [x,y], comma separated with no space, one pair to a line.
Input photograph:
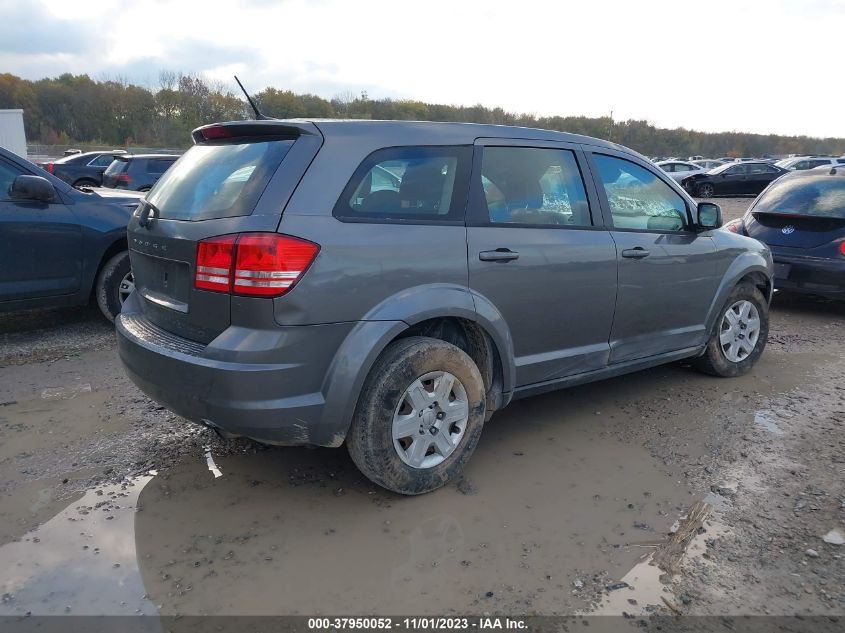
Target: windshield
[217,181]
[821,197]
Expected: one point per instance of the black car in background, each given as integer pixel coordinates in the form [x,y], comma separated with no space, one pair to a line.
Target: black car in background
[733,179]
[61,246]
[801,218]
[82,169]
[138,172]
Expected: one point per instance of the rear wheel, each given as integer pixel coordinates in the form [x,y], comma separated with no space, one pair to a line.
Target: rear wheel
[85,183]
[114,285]
[704,190]
[740,334]
[419,416]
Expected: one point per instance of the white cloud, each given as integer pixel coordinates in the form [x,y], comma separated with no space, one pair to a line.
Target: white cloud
[762,66]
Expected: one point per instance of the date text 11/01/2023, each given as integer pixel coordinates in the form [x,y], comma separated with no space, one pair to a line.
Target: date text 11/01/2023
[417,623]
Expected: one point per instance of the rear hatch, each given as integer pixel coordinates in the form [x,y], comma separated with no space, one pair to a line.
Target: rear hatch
[802,211]
[237,178]
[115,174]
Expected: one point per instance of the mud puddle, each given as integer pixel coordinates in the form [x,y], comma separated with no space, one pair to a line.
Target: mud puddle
[273,535]
[80,562]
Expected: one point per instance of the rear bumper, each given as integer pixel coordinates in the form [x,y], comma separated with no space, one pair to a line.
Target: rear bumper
[266,385]
[812,275]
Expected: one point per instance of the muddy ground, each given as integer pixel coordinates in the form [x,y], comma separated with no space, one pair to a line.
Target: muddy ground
[111,505]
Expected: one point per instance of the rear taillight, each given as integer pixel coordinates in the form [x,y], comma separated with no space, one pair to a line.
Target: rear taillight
[123,179]
[842,248]
[214,263]
[253,264]
[50,168]
[734,226]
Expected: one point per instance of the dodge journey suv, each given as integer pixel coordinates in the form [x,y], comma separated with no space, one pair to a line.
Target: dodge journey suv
[390,285]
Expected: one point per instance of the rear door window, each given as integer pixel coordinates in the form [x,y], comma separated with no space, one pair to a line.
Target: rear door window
[760,168]
[534,186]
[638,199]
[408,184]
[102,161]
[220,180]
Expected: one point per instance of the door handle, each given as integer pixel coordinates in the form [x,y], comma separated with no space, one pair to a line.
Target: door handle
[499,255]
[638,252]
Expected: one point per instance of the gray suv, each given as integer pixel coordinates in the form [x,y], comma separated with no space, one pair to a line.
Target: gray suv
[392,284]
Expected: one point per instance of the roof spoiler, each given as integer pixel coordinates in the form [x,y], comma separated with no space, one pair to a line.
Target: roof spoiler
[276,128]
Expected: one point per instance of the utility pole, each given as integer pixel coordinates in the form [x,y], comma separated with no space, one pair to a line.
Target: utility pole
[610,131]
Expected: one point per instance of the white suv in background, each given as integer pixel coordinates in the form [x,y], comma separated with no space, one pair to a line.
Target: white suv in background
[809,162]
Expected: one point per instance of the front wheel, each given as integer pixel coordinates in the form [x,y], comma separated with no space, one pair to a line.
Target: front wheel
[419,416]
[740,334]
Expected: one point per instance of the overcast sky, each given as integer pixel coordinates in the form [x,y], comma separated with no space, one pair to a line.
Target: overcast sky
[772,66]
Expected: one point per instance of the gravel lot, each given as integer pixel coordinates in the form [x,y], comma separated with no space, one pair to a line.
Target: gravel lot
[568,495]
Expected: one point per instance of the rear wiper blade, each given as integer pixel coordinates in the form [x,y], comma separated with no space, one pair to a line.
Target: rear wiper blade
[145,219]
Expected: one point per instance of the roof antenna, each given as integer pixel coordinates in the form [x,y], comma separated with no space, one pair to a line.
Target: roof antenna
[258,115]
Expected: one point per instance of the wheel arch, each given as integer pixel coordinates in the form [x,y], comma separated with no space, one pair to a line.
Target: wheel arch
[752,267]
[117,246]
[486,340]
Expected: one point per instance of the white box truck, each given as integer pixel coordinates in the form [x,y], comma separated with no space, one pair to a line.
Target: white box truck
[12,135]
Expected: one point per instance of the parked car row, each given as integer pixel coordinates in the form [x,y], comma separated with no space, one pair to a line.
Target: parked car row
[117,169]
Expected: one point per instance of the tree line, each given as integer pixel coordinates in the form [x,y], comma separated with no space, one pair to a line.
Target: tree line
[72,109]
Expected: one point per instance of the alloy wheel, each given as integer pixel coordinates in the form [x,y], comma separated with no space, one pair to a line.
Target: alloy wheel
[127,285]
[739,331]
[430,419]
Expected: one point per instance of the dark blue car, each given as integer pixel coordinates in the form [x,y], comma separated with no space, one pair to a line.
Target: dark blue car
[60,246]
[801,218]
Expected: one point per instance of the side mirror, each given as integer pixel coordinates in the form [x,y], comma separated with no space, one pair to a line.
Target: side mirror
[35,188]
[709,215]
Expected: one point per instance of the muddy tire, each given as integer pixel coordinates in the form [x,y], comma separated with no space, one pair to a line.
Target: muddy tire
[739,335]
[115,271]
[419,416]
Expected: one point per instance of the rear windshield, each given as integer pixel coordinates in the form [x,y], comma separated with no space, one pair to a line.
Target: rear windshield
[117,166]
[217,181]
[822,197]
